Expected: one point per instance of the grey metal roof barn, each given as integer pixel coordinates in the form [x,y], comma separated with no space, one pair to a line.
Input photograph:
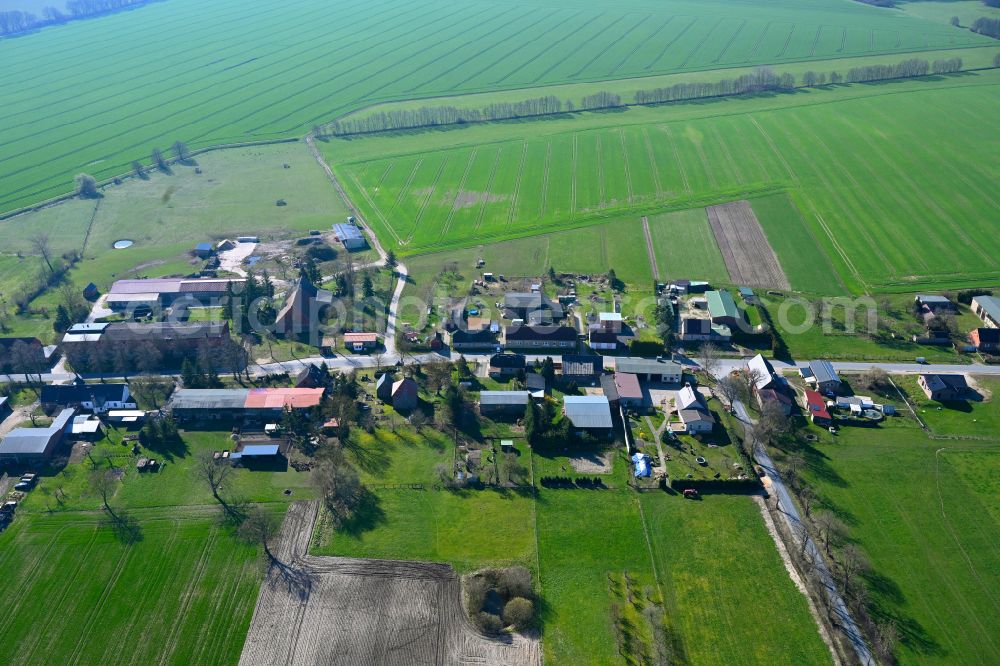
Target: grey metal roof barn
[209,399]
[350,236]
[823,372]
[587,411]
[36,441]
[646,366]
[574,365]
[496,398]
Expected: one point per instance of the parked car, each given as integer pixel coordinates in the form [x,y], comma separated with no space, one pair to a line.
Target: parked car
[30,478]
[22,486]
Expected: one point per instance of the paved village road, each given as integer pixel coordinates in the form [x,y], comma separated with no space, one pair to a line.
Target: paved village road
[790,514]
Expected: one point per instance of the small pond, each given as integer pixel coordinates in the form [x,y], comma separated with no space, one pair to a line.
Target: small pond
[122,244]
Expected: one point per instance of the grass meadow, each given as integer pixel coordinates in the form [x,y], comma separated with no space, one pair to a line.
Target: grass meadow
[843,180]
[166,215]
[926,512]
[711,562]
[83,97]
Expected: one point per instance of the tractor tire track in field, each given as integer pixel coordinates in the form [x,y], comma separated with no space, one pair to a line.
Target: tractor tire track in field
[649,248]
[451,52]
[752,53]
[673,41]
[706,40]
[774,149]
[170,644]
[640,44]
[572,199]
[677,158]
[489,189]
[463,62]
[566,57]
[706,165]
[113,653]
[446,227]
[948,523]
[545,177]
[653,169]
[280,74]
[375,209]
[627,171]
[600,172]
[159,84]
[943,576]
[732,40]
[512,213]
[843,40]
[548,48]
[55,608]
[812,51]
[613,43]
[427,199]
[727,156]
[912,253]
[405,189]
[99,606]
[20,594]
[505,55]
[385,174]
[926,202]
[788,40]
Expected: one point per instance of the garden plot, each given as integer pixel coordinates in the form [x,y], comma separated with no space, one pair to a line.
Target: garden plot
[749,258]
[334,610]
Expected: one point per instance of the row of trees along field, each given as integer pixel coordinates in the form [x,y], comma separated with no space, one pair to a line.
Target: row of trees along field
[761,79]
[987,26]
[15,21]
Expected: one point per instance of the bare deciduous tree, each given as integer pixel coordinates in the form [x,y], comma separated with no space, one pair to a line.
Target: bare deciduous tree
[260,527]
[708,358]
[40,242]
[829,527]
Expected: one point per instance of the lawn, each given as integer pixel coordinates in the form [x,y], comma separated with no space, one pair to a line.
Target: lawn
[834,172]
[980,419]
[184,594]
[188,80]
[926,513]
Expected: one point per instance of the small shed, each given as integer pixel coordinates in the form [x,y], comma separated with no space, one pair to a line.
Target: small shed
[203,250]
[91,292]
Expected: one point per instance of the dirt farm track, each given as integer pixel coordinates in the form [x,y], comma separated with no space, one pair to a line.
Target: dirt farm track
[331,610]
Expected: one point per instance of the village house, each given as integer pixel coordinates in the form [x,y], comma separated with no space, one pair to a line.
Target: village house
[361,342]
[933,303]
[762,372]
[540,337]
[649,370]
[588,412]
[602,340]
[987,308]
[722,308]
[822,376]
[35,445]
[689,398]
[403,395]
[697,421]
[775,398]
[944,388]
[816,407]
[96,398]
[985,340]
[468,340]
[503,403]
[698,329]
[507,365]
[628,390]
[5,407]
[582,369]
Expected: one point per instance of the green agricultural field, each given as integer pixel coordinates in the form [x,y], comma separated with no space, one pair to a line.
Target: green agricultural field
[184,594]
[927,515]
[94,95]
[845,185]
[712,563]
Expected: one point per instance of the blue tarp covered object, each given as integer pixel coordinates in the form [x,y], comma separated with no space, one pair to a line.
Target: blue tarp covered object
[642,469]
